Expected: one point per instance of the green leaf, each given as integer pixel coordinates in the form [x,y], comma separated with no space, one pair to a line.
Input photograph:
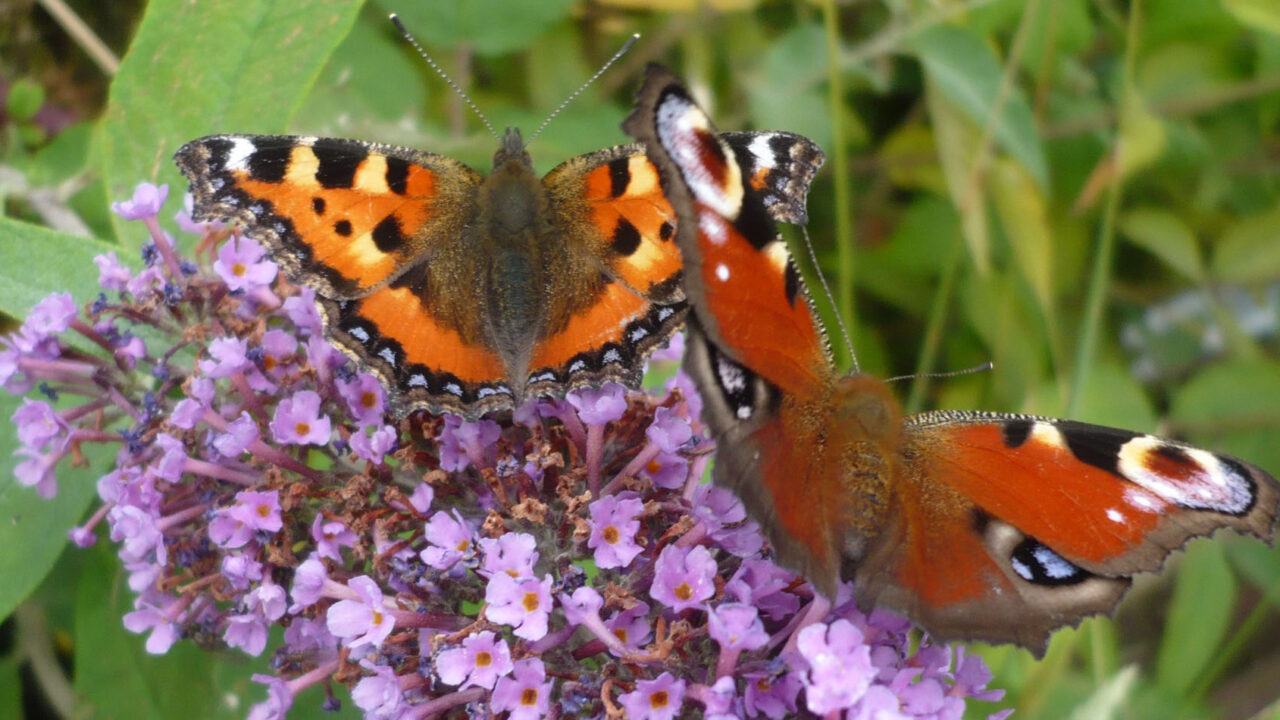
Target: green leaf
[489,27]
[1261,15]
[198,68]
[1231,408]
[1111,397]
[1023,212]
[1199,613]
[25,98]
[966,71]
[33,529]
[10,687]
[1166,236]
[35,261]
[1248,251]
[117,678]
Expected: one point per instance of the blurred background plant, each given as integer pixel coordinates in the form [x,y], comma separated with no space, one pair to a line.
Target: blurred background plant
[1084,192]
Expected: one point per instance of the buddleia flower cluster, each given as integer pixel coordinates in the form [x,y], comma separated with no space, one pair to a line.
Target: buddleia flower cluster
[567,559]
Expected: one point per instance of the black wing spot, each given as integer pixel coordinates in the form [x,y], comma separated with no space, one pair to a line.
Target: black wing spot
[666,231]
[626,238]
[317,204]
[1016,432]
[1095,445]
[269,164]
[397,175]
[337,162]
[792,279]
[1037,563]
[619,176]
[387,236]
[1176,455]
[980,521]
[343,228]
[754,222]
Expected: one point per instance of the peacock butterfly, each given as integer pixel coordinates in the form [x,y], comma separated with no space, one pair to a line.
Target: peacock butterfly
[977,525]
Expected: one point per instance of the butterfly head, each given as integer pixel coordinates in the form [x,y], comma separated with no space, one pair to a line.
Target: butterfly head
[866,409]
[512,150]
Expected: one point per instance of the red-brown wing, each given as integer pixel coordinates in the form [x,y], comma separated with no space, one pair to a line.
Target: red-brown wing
[1006,526]
[741,284]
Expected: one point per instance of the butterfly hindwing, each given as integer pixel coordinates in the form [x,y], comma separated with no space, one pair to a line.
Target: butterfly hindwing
[1045,521]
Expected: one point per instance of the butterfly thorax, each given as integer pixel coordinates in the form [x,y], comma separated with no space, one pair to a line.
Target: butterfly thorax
[517,242]
[866,450]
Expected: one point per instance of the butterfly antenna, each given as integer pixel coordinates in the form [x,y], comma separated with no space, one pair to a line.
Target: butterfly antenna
[954,373]
[826,290]
[395,20]
[616,56]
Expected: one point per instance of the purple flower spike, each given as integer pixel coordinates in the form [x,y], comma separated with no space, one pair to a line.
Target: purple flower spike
[242,266]
[253,511]
[365,398]
[279,699]
[657,699]
[38,425]
[482,659]
[840,669]
[435,567]
[669,431]
[737,626]
[241,433]
[683,578]
[513,554]
[463,442]
[599,407]
[298,420]
[523,604]
[331,536]
[112,275]
[374,446]
[227,356]
[145,203]
[614,524]
[450,539]
[379,695]
[667,470]
[526,695]
[51,316]
[364,621]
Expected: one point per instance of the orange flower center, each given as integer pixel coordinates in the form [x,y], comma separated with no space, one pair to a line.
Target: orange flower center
[302,428]
[529,697]
[369,399]
[238,269]
[654,466]
[659,700]
[530,601]
[483,659]
[683,591]
[610,534]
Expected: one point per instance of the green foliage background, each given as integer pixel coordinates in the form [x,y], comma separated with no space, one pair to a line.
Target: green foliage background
[1073,189]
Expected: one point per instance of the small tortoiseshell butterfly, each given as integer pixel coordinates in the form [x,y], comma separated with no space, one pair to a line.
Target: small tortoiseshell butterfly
[467,294]
[976,525]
